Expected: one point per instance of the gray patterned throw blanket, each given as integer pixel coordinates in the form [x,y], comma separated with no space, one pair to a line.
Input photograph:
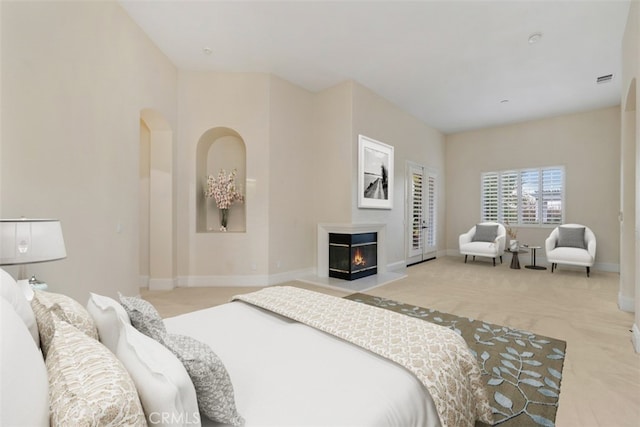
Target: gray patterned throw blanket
[437,356]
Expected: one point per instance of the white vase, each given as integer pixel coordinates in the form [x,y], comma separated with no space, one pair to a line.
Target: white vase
[513,246]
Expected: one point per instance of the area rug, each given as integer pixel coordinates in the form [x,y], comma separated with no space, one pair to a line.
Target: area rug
[522,371]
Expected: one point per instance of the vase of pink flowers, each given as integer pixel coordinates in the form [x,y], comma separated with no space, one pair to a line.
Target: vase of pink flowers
[223,190]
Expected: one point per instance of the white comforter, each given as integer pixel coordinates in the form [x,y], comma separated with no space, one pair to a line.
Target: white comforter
[285,373]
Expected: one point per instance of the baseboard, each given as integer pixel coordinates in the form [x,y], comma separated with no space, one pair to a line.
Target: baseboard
[223,281]
[397,267]
[161,284]
[259,279]
[540,260]
[608,267]
[635,337]
[626,303]
[445,252]
[288,276]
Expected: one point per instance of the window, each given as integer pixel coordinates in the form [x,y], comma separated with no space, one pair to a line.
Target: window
[524,197]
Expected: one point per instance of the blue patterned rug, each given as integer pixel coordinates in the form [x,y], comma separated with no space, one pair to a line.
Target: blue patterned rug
[522,371]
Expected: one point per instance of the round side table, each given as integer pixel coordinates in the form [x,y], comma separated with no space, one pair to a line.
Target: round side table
[515,262]
[533,265]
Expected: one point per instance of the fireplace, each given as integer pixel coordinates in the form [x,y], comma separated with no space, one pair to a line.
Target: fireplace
[353,256]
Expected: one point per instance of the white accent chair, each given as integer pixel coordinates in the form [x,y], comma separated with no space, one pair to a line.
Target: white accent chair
[481,245]
[568,244]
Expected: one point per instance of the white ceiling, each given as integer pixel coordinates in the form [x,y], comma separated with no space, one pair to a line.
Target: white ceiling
[449,63]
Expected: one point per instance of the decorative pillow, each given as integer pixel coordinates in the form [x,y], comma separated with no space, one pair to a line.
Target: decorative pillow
[12,292]
[210,378]
[45,304]
[87,383]
[24,396]
[108,315]
[485,233]
[571,237]
[165,389]
[144,317]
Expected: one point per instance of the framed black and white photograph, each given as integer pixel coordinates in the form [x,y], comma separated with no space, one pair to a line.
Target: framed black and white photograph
[375,174]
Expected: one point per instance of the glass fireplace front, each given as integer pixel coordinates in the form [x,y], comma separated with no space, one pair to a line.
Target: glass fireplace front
[353,256]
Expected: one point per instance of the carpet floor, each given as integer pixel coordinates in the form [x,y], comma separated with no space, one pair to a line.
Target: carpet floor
[522,371]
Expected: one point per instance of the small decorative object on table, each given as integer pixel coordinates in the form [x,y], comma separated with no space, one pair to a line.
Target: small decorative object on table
[223,190]
[512,233]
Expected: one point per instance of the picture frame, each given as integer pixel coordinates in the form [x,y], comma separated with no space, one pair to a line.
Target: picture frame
[375,174]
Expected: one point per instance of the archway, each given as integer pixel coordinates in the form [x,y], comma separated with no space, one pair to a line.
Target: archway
[157,260]
[628,190]
[219,148]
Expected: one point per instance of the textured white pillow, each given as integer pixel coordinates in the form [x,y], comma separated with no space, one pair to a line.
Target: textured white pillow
[24,398]
[108,315]
[165,389]
[12,292]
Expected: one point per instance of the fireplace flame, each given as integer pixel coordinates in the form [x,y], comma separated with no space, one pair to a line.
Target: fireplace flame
[358,259]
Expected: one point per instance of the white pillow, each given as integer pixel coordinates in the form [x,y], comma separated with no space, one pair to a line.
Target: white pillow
[12,292]
[107,314]
[24,387]
[165,389]
[164,386]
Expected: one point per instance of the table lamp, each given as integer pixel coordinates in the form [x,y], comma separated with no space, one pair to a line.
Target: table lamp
[27,241]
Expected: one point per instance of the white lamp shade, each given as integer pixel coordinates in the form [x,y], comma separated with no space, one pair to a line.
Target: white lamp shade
[26,241]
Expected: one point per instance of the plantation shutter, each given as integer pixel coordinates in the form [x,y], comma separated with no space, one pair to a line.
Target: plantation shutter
[490,196]
[431,206]
[524,196]
[552,184]
[530,196]
[509,197]
[417,214]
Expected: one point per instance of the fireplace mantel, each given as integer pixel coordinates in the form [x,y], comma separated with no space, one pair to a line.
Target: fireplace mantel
[323,243]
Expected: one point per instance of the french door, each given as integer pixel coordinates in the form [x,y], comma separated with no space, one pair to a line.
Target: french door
[421,213]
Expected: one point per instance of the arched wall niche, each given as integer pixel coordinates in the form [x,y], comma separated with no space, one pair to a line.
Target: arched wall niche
[220,148]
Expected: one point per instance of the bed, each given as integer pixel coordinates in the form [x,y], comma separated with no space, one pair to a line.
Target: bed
[282,372]
[270,358]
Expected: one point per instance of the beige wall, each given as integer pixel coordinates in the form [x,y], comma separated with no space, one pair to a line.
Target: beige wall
[292,193]
[239,101]
[301,168]
[628,165]
[630,177]
[377,118]
[144,194]
[332,154]
[586,144]
[75,77]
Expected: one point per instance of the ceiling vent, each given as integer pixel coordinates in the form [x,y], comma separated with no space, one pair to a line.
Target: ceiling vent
[604,79]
